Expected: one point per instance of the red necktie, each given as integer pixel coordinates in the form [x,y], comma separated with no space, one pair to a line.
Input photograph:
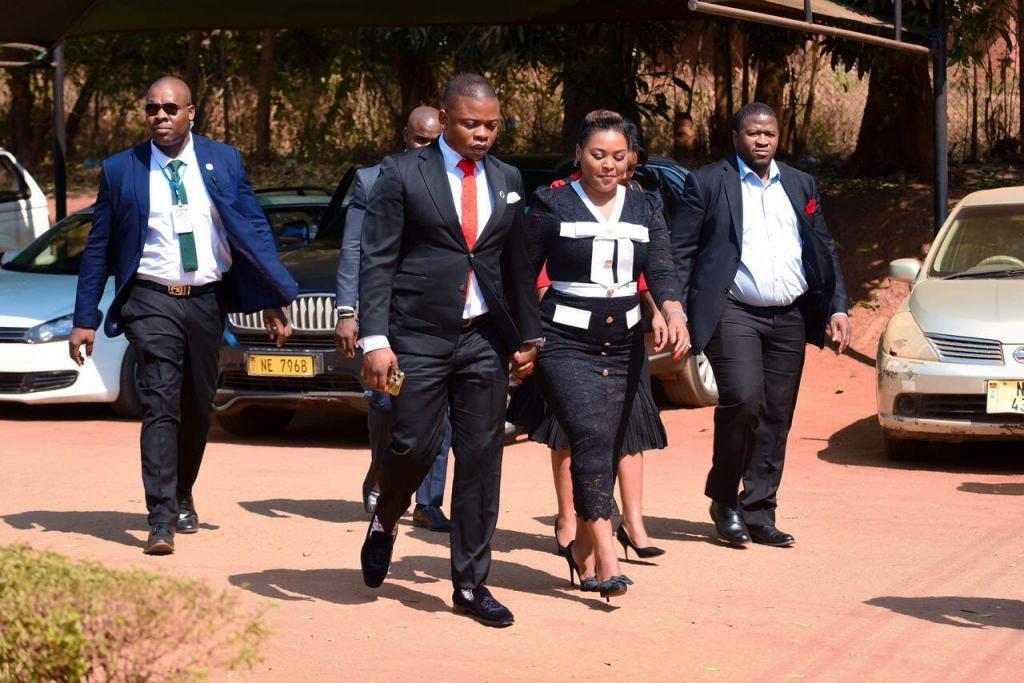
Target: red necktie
[469,215]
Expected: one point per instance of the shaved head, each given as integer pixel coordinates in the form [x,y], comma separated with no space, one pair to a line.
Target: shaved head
[422,127]
[173,84]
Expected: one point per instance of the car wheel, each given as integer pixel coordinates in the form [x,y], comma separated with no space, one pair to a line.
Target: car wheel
[897,449]
[256,421]
[694,386]
[128,403]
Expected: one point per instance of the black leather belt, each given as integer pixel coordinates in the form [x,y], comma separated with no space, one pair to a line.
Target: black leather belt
[177,290]
[470,323]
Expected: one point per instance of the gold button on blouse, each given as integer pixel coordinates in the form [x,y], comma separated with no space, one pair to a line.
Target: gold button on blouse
[609,320]
[607,344]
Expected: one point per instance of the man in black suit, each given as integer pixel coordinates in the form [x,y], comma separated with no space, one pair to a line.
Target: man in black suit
[434,304]
[761,278]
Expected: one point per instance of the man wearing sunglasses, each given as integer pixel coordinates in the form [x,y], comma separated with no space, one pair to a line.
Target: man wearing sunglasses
[177,224]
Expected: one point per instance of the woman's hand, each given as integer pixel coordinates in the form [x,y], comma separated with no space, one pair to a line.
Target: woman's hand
[678,337]
[660,329]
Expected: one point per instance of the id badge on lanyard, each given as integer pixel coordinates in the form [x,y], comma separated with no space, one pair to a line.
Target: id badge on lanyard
[181,221]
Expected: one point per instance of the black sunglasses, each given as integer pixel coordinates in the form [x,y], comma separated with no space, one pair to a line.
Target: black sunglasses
[170,108]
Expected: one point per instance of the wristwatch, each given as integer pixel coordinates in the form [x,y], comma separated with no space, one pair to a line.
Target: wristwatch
[345,312]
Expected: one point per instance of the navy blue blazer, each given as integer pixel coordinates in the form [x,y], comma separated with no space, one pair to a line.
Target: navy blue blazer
[256,280]
[707,237]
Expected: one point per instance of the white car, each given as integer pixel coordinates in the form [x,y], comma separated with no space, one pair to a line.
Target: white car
[951,360]
[24,214]
[37,298]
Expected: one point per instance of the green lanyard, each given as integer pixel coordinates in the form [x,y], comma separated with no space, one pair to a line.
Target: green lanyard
[178,195]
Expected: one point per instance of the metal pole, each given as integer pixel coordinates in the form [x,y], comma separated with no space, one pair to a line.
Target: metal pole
[60,184]
[808,13]
[941,188]
[796,25]
[897,20]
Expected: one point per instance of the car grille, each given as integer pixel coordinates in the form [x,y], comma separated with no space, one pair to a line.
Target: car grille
[239,381]
[29,382]
[967,407]
[967,349]
[298,340]
[309,313]
[12,335]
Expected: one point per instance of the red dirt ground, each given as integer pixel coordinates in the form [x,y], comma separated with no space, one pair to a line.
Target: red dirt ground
[900,572]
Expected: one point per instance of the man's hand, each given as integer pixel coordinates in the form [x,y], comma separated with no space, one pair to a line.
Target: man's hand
[377,367]
[80,336]
[345,335]
[278,325]
[523,361]
[839,330]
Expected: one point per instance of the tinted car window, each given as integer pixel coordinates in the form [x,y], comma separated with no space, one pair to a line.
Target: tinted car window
[293,218]
[12,185]
[982,239]
[57,251]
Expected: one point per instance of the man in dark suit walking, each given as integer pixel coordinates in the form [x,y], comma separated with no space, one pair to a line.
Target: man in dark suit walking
[421,128]
[177,224]
[433,304]
[761,278]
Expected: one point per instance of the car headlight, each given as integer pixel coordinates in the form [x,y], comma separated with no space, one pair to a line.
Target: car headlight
[903,338]
[57,329]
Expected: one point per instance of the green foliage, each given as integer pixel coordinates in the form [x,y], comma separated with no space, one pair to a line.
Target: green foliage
[67,621]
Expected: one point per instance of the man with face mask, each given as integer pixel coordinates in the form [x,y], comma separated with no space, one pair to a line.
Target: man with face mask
[761,278]
[177,224]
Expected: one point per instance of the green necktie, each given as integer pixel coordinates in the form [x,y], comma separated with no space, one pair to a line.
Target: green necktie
[186,240]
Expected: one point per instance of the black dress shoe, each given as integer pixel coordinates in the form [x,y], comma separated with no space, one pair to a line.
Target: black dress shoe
[481,605]
[160,541]
[430,517]
[729,524]
[375,556]
[188,520]
[769,534]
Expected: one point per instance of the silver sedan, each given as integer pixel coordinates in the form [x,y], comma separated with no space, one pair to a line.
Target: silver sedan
[951,360]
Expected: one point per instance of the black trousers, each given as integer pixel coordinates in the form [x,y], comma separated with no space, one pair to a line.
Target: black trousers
[473,381]
[177,342]
[757,355]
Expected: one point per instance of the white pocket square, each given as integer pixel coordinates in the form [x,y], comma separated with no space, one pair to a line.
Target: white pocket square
[512,198]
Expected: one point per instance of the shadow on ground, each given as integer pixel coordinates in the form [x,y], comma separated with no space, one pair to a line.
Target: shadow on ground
[72,412]
[860,444]
[306,430]
[345,586]
[992,489]
[334,510]
[958,611]
[106,525]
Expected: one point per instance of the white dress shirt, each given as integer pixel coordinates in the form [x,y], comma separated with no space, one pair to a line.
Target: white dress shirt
[771,271]
[475,304]
[161,255]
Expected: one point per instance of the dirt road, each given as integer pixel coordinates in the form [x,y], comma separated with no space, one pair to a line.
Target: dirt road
[899,573]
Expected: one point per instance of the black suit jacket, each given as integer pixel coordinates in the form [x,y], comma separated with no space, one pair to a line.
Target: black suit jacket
[707,236]
[415,262]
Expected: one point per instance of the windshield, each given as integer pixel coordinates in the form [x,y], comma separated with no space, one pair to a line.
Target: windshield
[58,251]
[982,241]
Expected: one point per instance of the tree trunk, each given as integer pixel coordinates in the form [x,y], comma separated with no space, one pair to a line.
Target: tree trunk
[265,81]
[598,74]
[417,85]
[1020,72]
[721,120]
[22,105]
[804,129]
[896,128]
[225,85]
[79,110]
[974,113]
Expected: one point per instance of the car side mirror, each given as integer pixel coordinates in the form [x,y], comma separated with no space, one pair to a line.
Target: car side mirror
[904,269]
[294,235]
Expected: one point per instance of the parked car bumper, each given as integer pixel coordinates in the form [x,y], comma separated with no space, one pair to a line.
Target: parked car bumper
[335,388]
[942,401]
[45,373]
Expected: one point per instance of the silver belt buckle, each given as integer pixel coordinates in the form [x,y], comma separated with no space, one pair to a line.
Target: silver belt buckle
[179,290]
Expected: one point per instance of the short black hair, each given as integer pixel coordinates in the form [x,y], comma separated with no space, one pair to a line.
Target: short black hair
[752,109]
[467,85]
[635,137]
[603,119]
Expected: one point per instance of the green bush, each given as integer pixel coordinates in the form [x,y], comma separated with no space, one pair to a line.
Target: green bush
[68,621]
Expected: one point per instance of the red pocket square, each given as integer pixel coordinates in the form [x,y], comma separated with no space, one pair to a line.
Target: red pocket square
[811,207]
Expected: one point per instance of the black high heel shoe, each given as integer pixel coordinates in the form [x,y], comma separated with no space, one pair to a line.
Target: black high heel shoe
[627,543]
[588,584]
[614,587]
[562,550]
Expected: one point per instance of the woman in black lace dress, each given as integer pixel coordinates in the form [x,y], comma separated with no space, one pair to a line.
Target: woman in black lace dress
[597,237]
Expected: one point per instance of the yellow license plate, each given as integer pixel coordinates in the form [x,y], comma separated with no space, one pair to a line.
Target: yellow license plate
[1005,396]
[280,366]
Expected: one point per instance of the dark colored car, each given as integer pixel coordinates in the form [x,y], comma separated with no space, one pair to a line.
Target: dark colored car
[261,386]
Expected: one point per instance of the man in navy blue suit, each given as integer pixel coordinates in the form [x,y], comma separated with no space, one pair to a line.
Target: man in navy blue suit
[178,225]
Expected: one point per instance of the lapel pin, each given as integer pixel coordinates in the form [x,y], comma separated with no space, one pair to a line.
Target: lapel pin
[209,167]
[501,193]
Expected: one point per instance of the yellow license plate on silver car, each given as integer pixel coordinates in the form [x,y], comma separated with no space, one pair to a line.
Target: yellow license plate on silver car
[1005,396]
[259,365]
